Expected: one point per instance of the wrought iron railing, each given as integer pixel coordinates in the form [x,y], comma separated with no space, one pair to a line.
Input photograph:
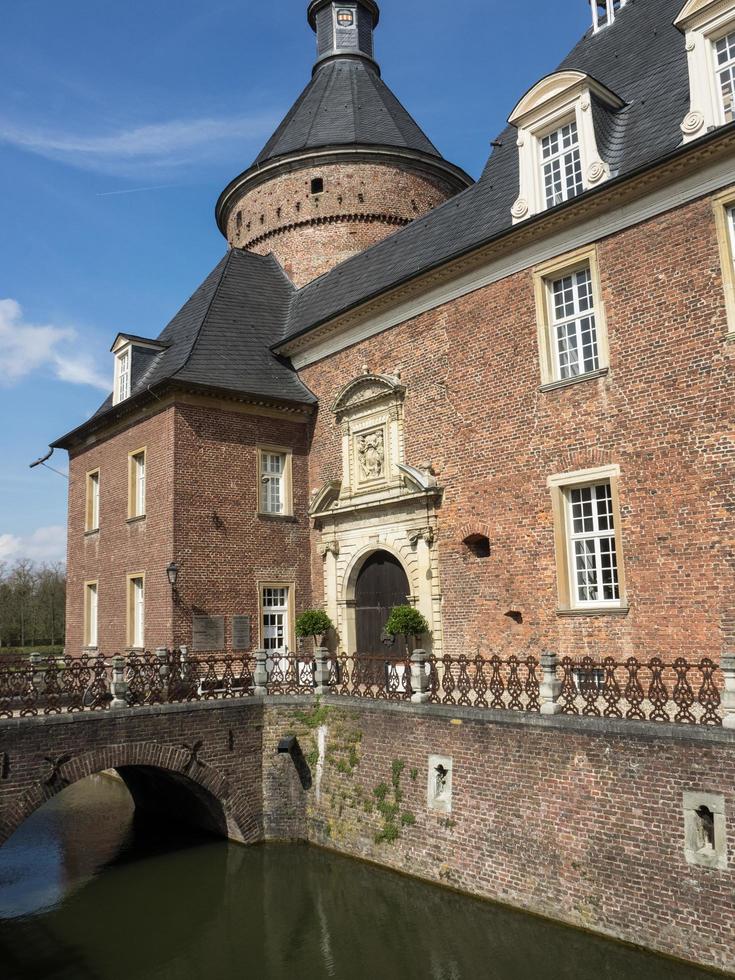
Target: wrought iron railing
[686,692]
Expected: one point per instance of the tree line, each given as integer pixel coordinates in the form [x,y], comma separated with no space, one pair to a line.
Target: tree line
[32,603]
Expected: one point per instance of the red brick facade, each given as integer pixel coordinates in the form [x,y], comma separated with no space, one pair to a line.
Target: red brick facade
[474,409]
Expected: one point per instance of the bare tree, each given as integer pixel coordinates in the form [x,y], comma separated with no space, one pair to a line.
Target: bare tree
[32,600]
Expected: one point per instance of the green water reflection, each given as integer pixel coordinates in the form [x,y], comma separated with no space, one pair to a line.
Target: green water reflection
[87,891]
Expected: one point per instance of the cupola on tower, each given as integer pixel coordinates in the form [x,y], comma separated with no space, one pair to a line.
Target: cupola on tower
[346,167]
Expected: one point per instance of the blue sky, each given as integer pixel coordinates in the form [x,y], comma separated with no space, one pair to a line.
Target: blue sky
[120,124]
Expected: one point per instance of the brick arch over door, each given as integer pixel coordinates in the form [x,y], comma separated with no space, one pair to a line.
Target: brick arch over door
[147,766]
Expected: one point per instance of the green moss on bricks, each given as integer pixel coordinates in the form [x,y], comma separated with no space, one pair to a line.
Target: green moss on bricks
[414,774]
[408,819]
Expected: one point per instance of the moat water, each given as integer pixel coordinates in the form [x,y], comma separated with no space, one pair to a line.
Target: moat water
[90,892]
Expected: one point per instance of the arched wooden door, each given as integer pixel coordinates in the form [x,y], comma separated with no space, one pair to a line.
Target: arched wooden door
[381,585]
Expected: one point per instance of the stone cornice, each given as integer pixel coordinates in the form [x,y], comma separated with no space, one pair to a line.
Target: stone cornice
[331,219]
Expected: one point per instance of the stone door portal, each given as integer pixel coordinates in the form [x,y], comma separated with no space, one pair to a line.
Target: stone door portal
[381,585]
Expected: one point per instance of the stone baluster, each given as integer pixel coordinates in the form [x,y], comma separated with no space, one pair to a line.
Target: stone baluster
[728,698]
[419,677]
[261,672]
[550,687]
[164,670]
[322,680]
[39,674]
[119,686]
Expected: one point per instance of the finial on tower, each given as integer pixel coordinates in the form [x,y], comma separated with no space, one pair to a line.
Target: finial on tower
[344,29]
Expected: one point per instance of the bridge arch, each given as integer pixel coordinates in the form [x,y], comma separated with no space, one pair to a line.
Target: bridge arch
[162,779]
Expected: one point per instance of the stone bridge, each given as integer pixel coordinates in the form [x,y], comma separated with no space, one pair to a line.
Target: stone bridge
[196,763]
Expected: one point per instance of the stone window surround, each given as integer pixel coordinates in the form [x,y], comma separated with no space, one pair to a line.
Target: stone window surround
[542,277]
[91,589]
[92,519]
[716,858]
[703,23]
[134,512]
[556,100]
[286,483]
[290,588]
[559,484]
[722,204]
[131,637]
[440,803]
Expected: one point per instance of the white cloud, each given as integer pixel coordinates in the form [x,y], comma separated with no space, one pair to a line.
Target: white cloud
[46,544]
[26,348]
[150,148]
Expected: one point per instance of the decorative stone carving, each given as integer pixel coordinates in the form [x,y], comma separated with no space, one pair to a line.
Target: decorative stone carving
[520,208]
[426,534]
[371,455]
[365,389]
[596,171]
[693,122]
[330,548]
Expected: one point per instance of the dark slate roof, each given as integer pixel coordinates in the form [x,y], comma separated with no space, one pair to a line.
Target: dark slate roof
[641,58]
[346,103]
[221,337]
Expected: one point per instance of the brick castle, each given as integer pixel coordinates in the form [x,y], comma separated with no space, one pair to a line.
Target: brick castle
[507,402]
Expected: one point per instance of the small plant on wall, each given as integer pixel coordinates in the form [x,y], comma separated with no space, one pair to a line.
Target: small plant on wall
[406,621]
[314,623]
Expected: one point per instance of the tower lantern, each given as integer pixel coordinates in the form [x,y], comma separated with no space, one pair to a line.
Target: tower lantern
[344,28]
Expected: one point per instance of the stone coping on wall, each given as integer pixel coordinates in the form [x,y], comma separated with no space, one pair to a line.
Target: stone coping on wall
[645,730]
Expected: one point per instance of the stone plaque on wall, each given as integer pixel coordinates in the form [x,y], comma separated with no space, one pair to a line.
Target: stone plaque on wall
[241,633]
[208,633]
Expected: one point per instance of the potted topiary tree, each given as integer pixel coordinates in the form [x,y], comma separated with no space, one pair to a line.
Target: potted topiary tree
[314,623]
[406,621]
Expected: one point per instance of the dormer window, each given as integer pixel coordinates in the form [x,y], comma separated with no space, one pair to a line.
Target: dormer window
[558,152]
[122,375]
[604,11]
[709,28]
[725,51]
[562,164]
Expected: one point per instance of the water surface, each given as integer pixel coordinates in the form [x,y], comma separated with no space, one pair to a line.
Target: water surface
[87,890]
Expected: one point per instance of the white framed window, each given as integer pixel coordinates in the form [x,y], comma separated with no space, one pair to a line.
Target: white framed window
[90,614]
[592,545]
[275,617]
[589,553]
[723,206]
[561,164]
[604,11]
[275,481]
[123,360]
[136,611]
[92,520]
[573,324]
[558,155]
[725,67]
[709,30]
[570,316]
[137,484]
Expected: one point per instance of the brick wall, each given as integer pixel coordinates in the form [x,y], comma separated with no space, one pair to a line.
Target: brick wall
[223,546]
[580,822]
[122,547]
[474,409]
[309,234]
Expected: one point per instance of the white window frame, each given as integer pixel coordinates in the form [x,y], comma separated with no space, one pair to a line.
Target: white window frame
[612,9]
[704,23]
[275,601]
[123,379]
[578,288]
[720,69]
[562,487]
[137,480]
[269,479]
[544,276]
[601,539]
[136,611]
[557,101]
[91,615]
[563,156]
[92,511]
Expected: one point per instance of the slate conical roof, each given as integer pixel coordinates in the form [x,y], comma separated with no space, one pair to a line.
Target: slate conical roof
[346,103]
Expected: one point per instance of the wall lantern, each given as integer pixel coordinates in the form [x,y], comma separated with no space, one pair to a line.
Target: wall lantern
[173,574]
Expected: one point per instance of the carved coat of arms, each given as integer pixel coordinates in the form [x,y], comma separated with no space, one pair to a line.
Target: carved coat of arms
[371,455]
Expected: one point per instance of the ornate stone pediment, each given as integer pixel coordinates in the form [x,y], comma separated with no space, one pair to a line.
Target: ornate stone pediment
[366,391]
[325,498]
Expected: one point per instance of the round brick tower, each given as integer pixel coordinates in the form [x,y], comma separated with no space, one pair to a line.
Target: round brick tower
[346,167]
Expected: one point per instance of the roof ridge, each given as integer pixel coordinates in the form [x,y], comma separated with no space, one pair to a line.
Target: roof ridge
[215,293]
